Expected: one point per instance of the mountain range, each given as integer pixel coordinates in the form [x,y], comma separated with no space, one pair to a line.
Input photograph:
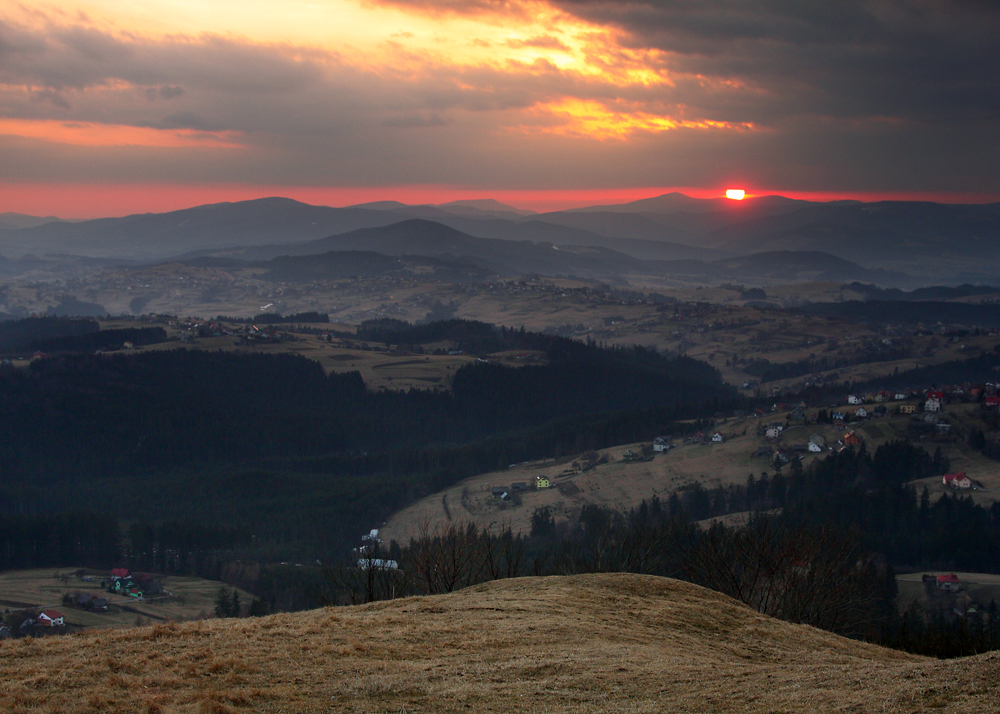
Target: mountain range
[905,243]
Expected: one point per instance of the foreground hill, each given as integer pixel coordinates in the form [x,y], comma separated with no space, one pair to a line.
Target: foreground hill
[593,643]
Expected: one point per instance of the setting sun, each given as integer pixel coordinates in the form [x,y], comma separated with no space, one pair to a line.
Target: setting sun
[736,194]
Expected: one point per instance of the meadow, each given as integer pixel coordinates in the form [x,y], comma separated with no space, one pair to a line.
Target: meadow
[592,643]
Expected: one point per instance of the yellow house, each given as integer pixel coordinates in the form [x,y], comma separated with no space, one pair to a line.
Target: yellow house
[542,482]
[907,408]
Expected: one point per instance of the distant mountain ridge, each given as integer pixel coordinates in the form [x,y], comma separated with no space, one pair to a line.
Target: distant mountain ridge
[926,243]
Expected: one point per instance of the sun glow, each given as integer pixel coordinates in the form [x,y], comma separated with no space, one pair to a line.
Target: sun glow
[737,194]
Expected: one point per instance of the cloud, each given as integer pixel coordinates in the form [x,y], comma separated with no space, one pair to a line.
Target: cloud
[920,60]
[547,42]
[878,94]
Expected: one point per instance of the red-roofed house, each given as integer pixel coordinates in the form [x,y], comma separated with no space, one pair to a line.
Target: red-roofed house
[992,401]
[959,480]
[948,582]
[51,618]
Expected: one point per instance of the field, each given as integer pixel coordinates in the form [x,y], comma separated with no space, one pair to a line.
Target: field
[981,588]
[622,486]
[595,643]
[191,598]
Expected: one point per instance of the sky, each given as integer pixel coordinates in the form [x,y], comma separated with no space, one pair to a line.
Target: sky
[110,107]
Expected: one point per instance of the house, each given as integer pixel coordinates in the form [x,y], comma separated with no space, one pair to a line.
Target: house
[797,414]
[815,448]
[959,480]
[948,582]
[817,439]
[932,405]
[630,456]
[377,564]
[851,439]
[51,618]
[5,632]
[900,396]
[499,492]
[861,413]
[800,447]
[991,401]
[519,486]
[662,443]
[853,399]
[542,482]
[717,438]
[907,408]
[772,432]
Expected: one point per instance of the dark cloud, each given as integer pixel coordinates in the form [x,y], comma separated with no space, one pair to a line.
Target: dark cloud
[924,60]
[171,92]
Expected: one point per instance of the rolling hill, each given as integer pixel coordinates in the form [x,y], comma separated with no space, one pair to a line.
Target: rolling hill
[417,236]
[593,643]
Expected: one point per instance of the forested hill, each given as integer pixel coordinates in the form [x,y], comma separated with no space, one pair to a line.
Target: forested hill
[226,438]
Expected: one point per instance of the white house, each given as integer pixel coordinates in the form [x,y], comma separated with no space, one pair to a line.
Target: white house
[814,447]
[377,564]
[932,405]
[773,432]
[51,618]
[959,480]
[861,413]
[718,438]
[853,399]
[661,443]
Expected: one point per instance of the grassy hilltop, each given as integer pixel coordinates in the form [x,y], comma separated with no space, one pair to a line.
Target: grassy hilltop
[595,643]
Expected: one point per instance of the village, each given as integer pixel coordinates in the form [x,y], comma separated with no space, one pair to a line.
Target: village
[43,602]
[931,416]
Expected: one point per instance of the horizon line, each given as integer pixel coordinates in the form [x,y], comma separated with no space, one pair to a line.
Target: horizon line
[90,201]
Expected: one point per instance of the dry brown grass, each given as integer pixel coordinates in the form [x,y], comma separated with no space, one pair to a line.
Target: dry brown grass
[595,643]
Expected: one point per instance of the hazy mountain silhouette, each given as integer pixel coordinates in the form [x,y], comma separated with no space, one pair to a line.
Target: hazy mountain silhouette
[428,238]
[935,243]
[220,225]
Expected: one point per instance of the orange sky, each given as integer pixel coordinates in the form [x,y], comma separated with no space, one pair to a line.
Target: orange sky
[110,107]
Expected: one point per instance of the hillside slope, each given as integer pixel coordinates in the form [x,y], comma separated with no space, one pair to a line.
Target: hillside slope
[593,643]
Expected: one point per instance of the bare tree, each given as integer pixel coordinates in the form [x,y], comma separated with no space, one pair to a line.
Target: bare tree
[821,577]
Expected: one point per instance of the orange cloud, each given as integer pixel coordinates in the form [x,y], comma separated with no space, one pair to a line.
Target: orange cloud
[594,119]
[106,135]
